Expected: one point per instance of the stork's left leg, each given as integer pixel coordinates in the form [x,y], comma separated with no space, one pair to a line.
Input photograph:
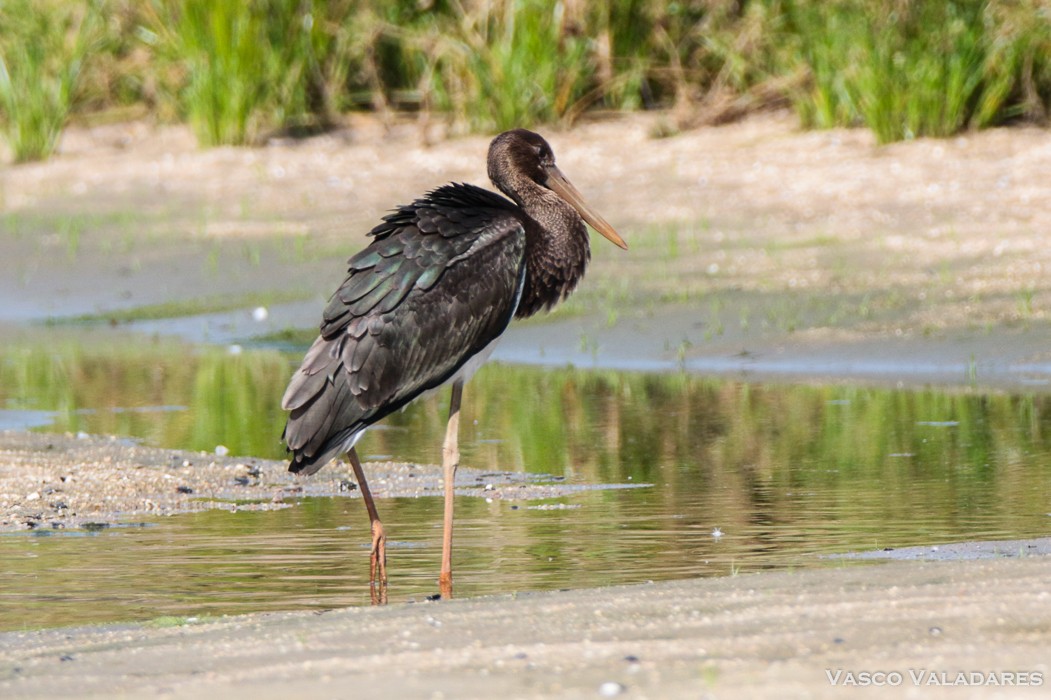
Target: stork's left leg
[450,460]
[378,557]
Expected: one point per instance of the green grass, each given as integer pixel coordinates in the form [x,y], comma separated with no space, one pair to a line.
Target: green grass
[223,45]
[293,337]
[236,71]
[185,307]
[71,229]
[42,49]
[918,68]
[248,67]
[508,49]
[1024,302]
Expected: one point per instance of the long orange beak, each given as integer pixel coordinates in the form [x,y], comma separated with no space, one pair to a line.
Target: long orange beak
[565,189]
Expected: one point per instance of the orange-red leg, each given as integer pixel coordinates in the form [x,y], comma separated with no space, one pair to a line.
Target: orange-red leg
[450,460]
[378,556]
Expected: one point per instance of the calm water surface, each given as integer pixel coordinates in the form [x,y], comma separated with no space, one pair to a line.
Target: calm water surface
[785,473]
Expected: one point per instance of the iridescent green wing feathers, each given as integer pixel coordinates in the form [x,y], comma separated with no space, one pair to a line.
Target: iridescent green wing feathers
[439,282]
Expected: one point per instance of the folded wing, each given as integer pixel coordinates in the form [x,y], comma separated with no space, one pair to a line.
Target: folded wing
[439,282]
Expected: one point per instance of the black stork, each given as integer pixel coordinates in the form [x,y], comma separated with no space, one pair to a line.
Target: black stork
[424,304]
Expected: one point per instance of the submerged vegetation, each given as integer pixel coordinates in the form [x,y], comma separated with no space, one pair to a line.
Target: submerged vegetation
[236,71]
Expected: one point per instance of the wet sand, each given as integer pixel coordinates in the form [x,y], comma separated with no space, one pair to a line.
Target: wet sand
[768,635]
[54,482]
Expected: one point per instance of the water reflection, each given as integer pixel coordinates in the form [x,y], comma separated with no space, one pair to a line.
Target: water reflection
[784,472]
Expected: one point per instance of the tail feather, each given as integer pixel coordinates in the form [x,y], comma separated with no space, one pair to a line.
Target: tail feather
[307,464]
[325,417]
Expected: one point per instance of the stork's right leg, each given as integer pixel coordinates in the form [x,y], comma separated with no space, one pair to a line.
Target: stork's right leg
[450,460]
[378,557]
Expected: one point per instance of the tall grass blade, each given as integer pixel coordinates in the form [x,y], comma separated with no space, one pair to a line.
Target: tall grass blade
[42,49]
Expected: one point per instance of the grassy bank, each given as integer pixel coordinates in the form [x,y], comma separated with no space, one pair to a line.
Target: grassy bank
[236,71]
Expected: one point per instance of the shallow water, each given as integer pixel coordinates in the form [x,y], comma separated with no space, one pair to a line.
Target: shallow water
[744,477]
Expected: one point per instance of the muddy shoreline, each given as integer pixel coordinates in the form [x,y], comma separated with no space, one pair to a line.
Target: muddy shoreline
[767,635]
[54,482]
[756,249]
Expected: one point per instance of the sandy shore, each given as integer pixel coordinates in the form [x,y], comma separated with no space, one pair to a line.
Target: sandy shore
[769,635]
[54,482]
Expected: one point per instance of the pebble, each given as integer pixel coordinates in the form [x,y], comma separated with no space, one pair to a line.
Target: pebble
[611,689]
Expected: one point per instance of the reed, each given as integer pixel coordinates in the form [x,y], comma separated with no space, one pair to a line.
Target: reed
[248,68]
[507,64]
[42,49]
[236,71]
[907,69]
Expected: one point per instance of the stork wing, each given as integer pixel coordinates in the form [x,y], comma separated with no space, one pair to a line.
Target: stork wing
[440,281]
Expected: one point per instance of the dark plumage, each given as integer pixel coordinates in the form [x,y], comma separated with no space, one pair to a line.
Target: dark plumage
[439,283]
[436,285]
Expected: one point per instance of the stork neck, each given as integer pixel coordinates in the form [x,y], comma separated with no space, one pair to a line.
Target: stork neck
[557,251]
[523,190]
